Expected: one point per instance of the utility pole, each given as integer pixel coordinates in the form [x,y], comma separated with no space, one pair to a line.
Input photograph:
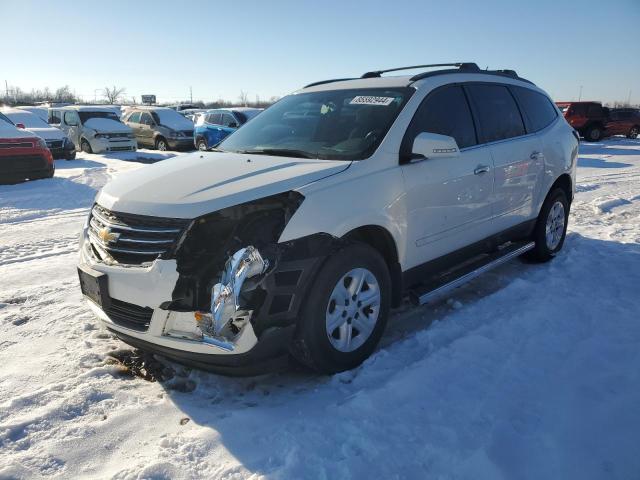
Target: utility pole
[191,94]
[580,95]
[629,98]
[6,87]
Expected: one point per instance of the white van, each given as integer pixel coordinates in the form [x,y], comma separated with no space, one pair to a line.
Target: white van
[93,129]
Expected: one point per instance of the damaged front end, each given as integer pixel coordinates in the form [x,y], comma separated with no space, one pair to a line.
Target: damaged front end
[236,282]
[226,319]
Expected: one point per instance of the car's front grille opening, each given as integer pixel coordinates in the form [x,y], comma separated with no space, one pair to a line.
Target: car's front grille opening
[133,239]
[129,315]
[22,163]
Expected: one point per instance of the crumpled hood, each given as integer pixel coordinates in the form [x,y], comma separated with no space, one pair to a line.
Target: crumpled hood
[50,133]
[188,186]
[106,125]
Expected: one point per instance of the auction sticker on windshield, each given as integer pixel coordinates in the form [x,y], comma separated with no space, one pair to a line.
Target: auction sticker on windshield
[366,100]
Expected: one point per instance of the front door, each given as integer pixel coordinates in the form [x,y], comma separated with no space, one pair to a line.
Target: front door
[449,199]
[146,129]
[71,121]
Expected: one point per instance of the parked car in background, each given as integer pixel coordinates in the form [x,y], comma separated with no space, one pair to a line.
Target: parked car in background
[214,125]
[59,144]
[23,155]
[160,127]
[192,113]
[588,118]
[93,129]
[624,121]
[42,112]
[182,106]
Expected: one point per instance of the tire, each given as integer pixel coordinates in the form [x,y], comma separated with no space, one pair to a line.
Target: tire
[161,144]
[201,144]
[634,132]
[593,133]
[555,214]
[331,299]
[85,146]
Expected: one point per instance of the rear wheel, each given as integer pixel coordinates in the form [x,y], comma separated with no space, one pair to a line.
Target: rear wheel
[346,311]
[161,144]
[633,133]
[551,227]
[593,133]
[85,146]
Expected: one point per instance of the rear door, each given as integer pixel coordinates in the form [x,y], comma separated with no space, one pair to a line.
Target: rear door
[517,155]
[133,122]
[448,198]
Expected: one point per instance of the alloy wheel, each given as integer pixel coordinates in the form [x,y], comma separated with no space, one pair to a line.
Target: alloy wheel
[555,226]
[353,310]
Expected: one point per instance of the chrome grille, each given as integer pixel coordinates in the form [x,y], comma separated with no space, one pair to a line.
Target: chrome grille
[132,239]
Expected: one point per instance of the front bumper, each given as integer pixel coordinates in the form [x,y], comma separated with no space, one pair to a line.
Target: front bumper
[180,143]
[103,145]
[149,287]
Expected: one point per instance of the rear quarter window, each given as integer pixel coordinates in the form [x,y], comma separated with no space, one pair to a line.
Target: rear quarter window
[537,108]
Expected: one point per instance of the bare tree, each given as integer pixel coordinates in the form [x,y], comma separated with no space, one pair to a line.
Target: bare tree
[244,98]
[113,94]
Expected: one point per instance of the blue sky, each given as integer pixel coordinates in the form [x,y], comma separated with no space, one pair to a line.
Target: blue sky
[270,48]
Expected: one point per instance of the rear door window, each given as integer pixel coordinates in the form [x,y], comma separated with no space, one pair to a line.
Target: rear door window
[445,112]
[537,108]
[497,112]
[134,117]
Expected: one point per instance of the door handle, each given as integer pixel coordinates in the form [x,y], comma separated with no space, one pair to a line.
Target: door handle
[535,155]
[481,169]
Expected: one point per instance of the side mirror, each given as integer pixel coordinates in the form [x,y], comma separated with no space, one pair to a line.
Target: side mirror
[432,145]
[20,125]
[233,125]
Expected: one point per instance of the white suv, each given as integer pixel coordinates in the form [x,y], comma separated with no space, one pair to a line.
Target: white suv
[300,231]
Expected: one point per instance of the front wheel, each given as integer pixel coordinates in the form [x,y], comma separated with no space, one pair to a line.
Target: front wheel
[85,146]
[551,227]
[633,133]
[201,144]
[346,311]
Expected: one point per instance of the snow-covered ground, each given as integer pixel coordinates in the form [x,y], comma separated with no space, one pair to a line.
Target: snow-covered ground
[530,372]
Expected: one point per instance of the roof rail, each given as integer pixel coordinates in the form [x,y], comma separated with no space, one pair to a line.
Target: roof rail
[471,68]
[460,65]
[322,82]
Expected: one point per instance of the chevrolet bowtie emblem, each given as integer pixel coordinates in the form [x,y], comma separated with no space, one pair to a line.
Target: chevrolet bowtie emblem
[107,236]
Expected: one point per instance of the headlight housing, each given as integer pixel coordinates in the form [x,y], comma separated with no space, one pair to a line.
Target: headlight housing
[40,143]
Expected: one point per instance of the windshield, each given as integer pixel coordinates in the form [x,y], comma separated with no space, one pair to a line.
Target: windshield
[29,120]
[5,119]
[172,119]
[334,125]
[84,115]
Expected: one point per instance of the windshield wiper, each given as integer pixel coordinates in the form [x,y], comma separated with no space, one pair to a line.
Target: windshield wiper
[279,152]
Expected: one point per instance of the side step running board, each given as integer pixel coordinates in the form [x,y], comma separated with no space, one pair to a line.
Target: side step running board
[424,295]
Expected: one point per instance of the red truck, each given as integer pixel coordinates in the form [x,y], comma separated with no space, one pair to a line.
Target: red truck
[588,118]
[23,155]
